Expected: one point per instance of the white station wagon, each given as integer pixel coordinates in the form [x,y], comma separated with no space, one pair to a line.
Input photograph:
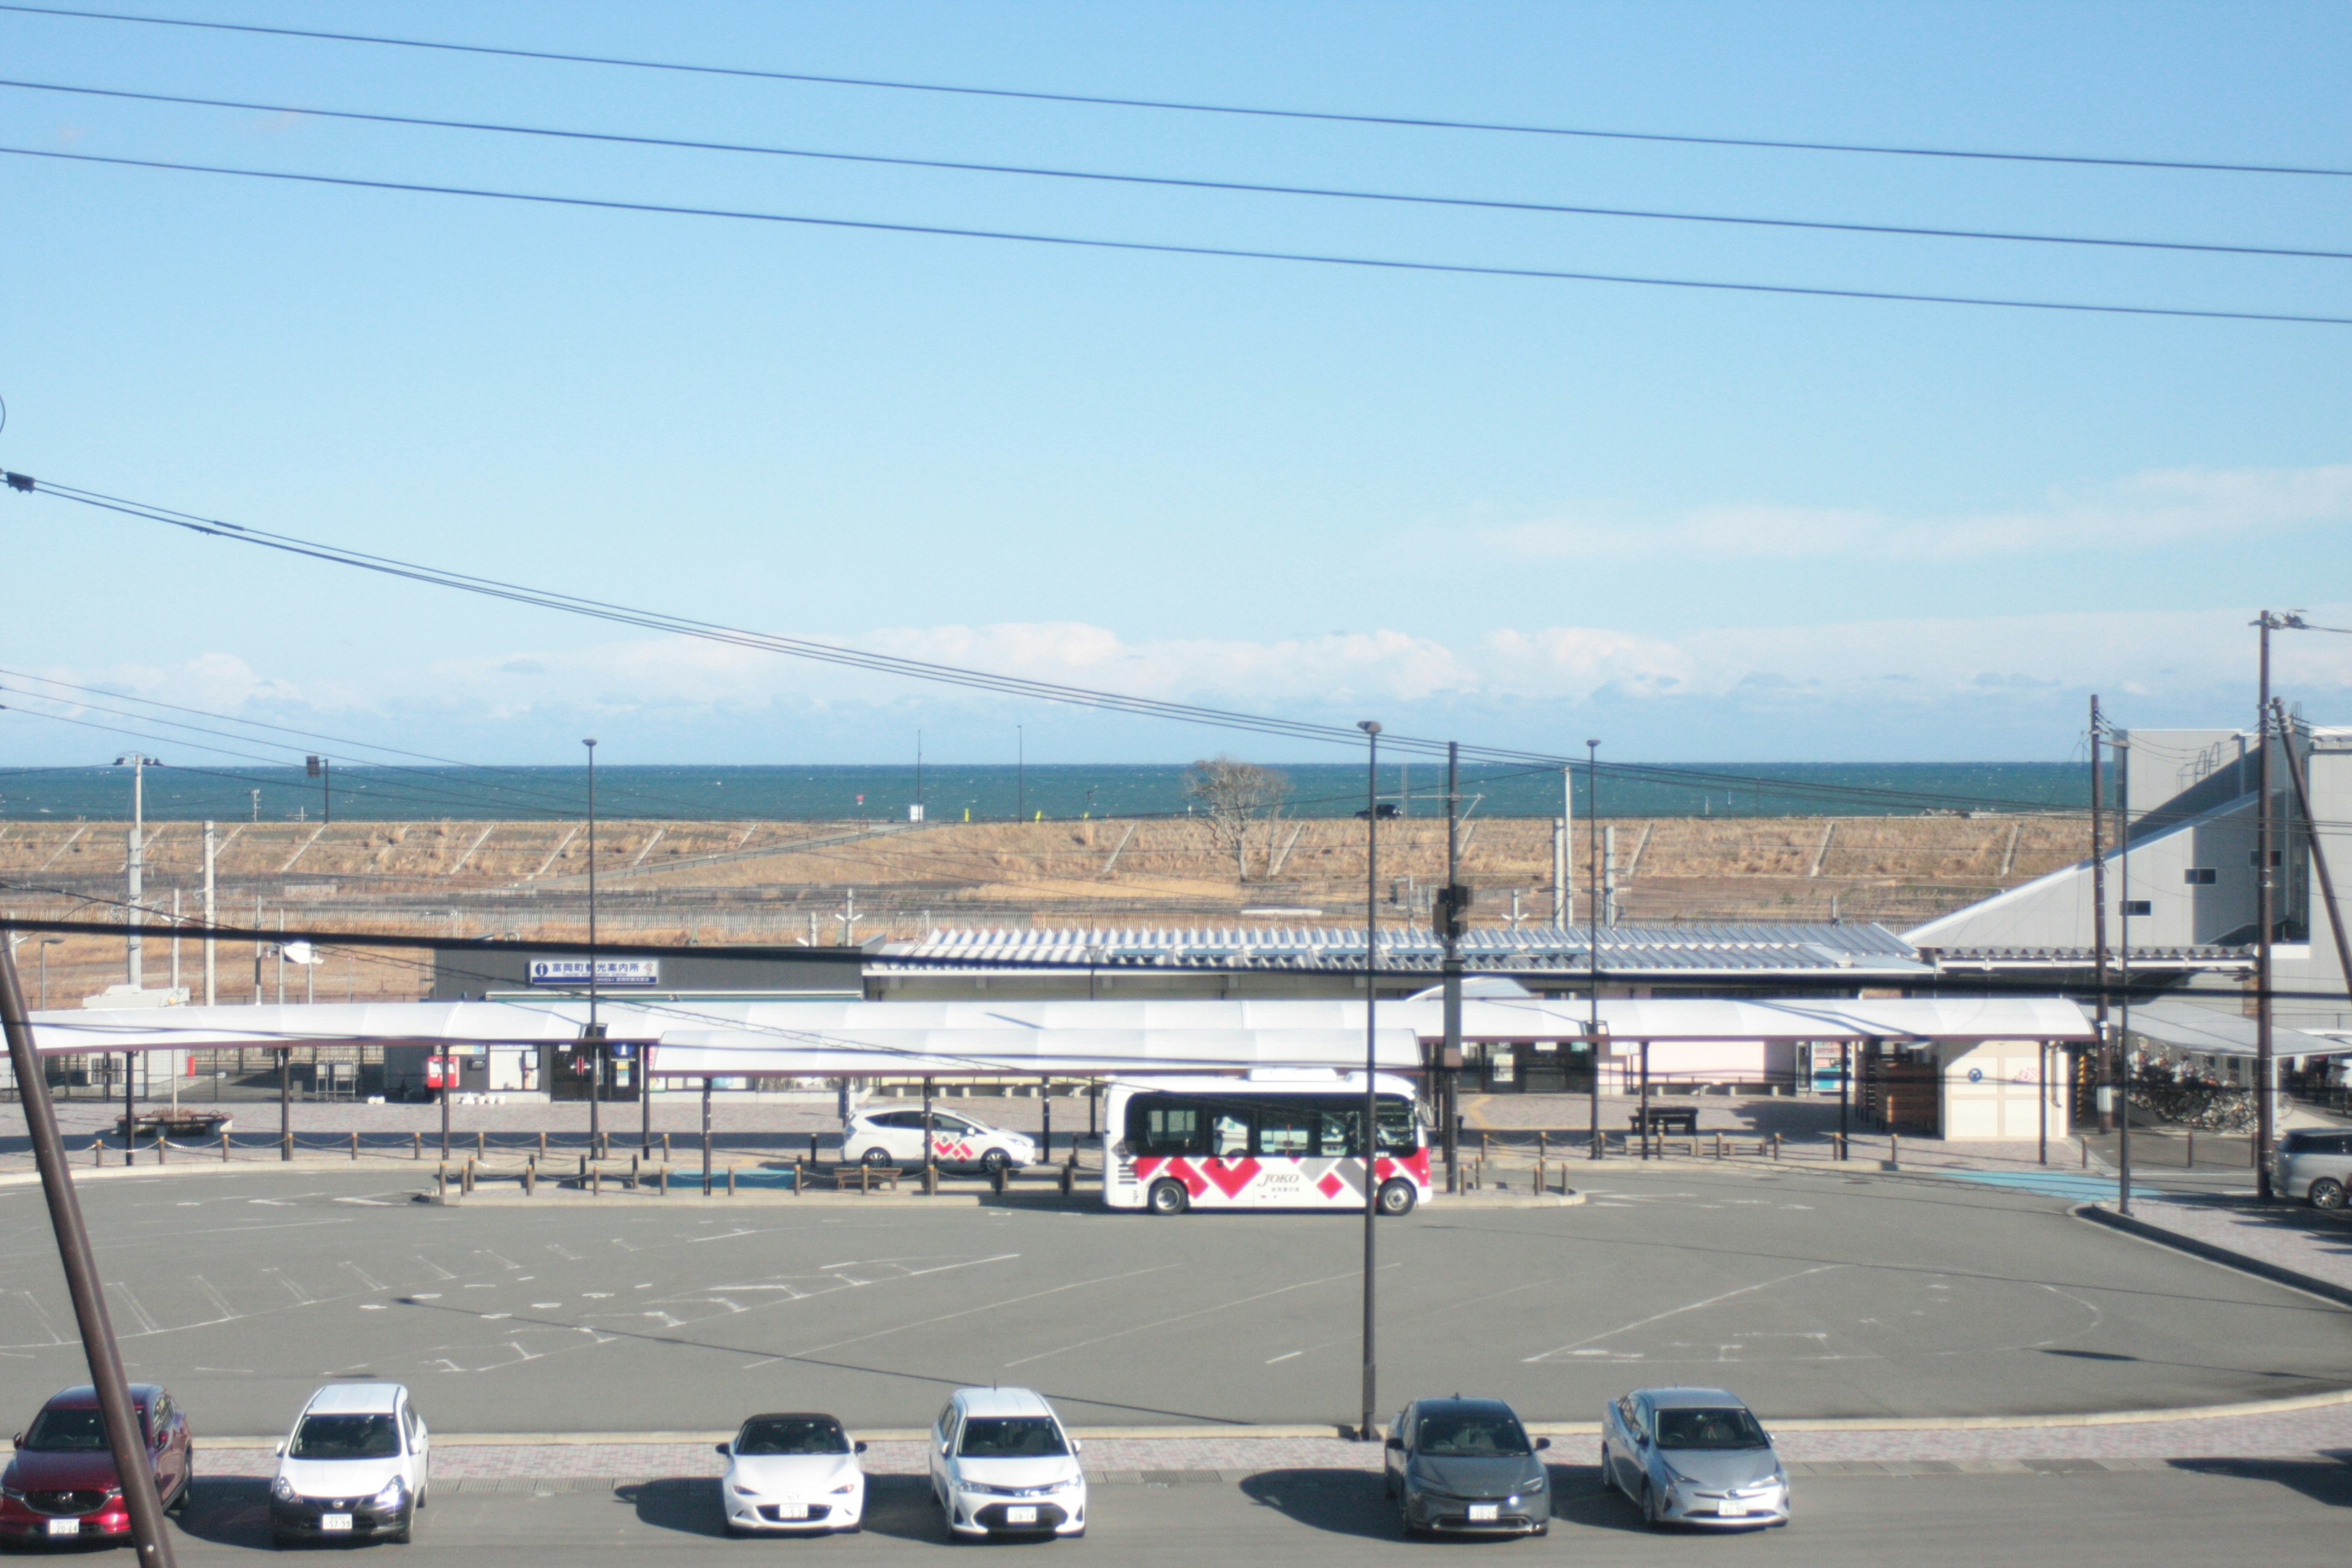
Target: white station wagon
[355,1465]
[1003,1465]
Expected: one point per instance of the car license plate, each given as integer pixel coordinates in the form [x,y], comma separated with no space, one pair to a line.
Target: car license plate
[1025,1514]
[791,1510]
[65,1527]
[1731,1510]
[1485,1512]
[335,1521]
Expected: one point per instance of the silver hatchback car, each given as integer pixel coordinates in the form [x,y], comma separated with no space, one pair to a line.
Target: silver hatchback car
[2314,1166]
[1692,1456]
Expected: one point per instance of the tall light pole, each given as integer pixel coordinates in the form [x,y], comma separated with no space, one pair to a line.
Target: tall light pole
[1020,772]
[135,864]
[47,942]
[1365,1429]
[2265,909]
[1592,934]
[595,1038]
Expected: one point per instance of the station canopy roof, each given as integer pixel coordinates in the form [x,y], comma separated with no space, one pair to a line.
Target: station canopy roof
[821,1037]
[2213,1032]
[1697,950]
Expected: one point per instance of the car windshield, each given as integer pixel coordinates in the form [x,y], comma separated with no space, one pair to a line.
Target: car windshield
[772,1435]
[1472,1434]
[67,1432]
[367,1437]
[1012,1437]
[1702,1428]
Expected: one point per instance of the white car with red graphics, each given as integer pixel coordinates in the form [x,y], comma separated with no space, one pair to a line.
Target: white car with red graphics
[1286,1141]
[895,1138]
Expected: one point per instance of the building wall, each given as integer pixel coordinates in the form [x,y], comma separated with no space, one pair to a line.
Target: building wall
[1992,1091]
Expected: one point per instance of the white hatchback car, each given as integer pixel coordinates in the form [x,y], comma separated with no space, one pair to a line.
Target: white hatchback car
[895,1138]
[356,1465]
[793,1472]
[1003,1465]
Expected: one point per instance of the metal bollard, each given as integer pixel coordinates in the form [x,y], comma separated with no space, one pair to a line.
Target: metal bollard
[1776,1145]
[530,1179]
[596,1182]
[288,1152]
[2193,1148]
[1542,1181]
[466,1184]
[1718,1145]
[224,1148]
[481,1144]
[930,1181]
[355,1145]
[665,1148]
[812,1159]
[730,1181]
[997,1177]
[543,1145]
[1894,1150]
[161,1143]
[416,1145]
[441,1178]
[1069,1178]
[665,1181]
[2085,1146]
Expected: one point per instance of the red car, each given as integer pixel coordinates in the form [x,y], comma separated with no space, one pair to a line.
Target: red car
[62,1483]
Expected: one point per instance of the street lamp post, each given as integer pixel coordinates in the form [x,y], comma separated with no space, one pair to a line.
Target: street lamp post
[1592,930]
[1366,1428]
[135,866]
[595,1037]
[47,942]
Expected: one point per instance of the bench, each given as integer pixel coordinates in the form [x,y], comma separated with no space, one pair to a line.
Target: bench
[178,1123]
[865,1178]
[1668,1119]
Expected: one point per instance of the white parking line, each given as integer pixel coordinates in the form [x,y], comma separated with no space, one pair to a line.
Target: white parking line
[1677,1311]
[1197,1313]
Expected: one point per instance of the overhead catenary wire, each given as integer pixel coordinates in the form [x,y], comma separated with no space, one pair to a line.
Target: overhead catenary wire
[1208,252]
[1257,112]
[1330,193]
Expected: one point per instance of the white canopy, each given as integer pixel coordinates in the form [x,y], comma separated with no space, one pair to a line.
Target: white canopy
[818,1038]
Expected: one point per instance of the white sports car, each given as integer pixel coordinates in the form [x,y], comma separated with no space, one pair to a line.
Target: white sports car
[793,1472]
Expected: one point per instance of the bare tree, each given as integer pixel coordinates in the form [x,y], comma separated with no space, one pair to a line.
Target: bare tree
[1235,795]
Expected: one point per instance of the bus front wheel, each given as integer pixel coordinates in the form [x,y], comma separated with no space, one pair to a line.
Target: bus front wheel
[1397,1198]
[1170,1197]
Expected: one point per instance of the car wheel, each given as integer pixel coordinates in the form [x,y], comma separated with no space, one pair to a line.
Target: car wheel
[995,1161]
[875,1156]
[1169,1197]
[1397,1198]
[1405,1526]
[179,1503]
[2326,1193]
[1608,1471]
[1649,1505]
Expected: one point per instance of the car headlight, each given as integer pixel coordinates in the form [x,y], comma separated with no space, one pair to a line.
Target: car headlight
[1534,1485]
[9,1491]
[282,1490]
[745,1491]
[390,1497]
[845,1488]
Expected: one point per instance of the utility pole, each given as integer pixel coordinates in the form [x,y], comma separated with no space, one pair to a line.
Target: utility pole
[322,770]
[2123,976]
[2099,895]
[1020,772]
[2263,920]
[1449,928]
[132,1468]
[1366,1426]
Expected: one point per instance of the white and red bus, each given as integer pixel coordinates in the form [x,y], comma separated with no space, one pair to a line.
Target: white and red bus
[1295,1142]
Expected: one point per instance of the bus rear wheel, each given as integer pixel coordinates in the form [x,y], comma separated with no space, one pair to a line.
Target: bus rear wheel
[1397,1198]
[1169,1197]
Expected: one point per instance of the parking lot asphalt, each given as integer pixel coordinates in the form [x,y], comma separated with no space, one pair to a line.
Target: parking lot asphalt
[1813,1294]
[2280,1512]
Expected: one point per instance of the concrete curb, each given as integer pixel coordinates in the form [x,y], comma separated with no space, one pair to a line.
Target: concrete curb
[2240,1410]
[2277,1274]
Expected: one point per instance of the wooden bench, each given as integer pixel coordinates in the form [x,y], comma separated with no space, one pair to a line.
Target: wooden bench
[178,1124]
[865,1178]
[1668,1119]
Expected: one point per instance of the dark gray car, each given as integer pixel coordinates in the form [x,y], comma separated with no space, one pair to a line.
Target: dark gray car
[1465,1467]
[1692,1456]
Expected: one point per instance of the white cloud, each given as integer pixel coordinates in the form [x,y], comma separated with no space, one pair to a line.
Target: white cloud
[2161,507]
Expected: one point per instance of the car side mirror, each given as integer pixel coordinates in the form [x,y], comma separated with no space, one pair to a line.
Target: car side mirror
[281,1447]
[728,1450]
[1397,1444]
[17,1441]
[943,1450]
[1543,1442]
[1077,1446]
[860,1447]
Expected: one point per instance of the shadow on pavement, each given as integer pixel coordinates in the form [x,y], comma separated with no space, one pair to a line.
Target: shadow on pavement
[2326,1480]
[902,1508]
[1579,1498]
[1343,1502]
[688,1504]
[230,1511]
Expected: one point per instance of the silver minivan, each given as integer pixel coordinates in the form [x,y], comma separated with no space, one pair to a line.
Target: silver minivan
[2314,1164]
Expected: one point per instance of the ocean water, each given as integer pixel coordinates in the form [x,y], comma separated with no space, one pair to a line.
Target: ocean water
[1006,794]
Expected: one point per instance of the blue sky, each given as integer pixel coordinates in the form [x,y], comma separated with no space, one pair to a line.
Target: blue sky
[1702,526]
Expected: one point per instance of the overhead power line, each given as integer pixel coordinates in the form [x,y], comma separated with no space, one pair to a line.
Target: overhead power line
[1081,242]
[1255,111]
[1178,182]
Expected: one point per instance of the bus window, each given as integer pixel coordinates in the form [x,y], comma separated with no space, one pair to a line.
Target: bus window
[1398,1132]
[1285,1129]
[1229,1135]
[1336,1132]
[1162,1124]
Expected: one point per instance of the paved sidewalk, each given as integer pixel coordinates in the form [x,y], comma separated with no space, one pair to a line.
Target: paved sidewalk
[2286,1236]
